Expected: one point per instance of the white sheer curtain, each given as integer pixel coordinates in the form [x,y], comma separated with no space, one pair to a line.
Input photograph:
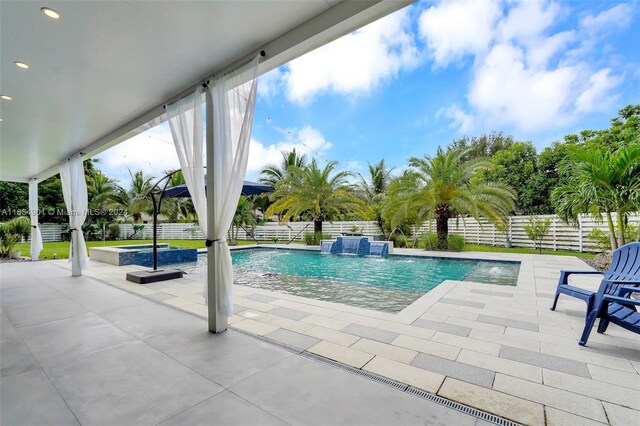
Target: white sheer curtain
[74,190]
[36,236]
[185,121]
[234,97]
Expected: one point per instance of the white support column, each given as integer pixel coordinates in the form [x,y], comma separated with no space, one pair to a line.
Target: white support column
[35,245]
[217,321]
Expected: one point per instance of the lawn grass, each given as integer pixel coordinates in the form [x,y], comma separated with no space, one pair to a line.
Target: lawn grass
[61,248]
[523,250]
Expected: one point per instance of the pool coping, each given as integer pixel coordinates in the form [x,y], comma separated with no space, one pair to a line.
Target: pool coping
[495,345]
[412,311]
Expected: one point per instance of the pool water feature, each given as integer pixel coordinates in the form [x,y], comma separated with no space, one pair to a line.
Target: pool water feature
[384,284]
[355,246]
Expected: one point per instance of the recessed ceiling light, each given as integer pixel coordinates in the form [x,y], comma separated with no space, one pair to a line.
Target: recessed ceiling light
[6,97]
[50,12]
[21,65]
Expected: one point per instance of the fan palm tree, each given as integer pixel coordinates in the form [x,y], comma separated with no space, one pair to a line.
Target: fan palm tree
[441,187]
[602,183]
[134,200]
[373,189]
[272,174]
[319,193]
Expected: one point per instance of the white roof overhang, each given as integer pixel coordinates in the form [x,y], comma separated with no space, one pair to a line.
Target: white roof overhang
[103,71]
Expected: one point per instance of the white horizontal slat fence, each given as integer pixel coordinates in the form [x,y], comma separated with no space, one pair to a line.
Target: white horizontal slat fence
[561,236]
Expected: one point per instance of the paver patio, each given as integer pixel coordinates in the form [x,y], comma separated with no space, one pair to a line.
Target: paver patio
[77,351]
[496,348]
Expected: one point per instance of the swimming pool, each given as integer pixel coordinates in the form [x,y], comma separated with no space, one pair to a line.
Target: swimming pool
[388,285]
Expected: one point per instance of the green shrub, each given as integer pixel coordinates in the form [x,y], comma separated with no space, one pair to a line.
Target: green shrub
[309,238]
[7,244]
[312,239]
[4,230]
[21,226]
[537,229]
[113,232]
[601,238]
[455,243]
[428,241]
[399,240]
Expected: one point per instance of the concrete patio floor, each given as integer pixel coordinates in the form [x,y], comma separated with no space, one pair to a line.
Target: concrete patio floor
[78,351]
[497,348]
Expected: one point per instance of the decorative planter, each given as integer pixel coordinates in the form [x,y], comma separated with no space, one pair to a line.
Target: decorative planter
[507,244]
[15,254]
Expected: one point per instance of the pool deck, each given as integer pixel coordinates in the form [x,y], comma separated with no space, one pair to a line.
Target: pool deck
[497,348]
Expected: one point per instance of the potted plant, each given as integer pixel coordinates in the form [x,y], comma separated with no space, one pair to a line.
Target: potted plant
[11,233]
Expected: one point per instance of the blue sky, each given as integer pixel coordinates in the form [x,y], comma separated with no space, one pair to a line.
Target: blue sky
[431,73]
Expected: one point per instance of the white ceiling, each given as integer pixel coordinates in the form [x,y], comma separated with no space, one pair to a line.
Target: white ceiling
[104,64]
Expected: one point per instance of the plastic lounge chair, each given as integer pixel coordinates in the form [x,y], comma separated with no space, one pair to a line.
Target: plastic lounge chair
[619,309]
[624,270]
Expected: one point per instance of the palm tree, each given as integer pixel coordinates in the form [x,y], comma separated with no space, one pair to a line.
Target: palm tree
[134,200]
[244,217]
[441,187]
[602,183]
[99,187]
[319,193]
[374,187]
[177,208]
[272,174]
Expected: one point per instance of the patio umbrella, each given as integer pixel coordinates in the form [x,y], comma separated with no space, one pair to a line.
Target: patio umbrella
[248,188]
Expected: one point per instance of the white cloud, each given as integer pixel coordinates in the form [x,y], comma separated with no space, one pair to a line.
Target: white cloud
[453,29]
[305,141]
[355,63]
[506,91]
[459,119]
[618,16]
[526,76]
[269,83]
[152,152]
[527,20]
[596,95]
[353,165]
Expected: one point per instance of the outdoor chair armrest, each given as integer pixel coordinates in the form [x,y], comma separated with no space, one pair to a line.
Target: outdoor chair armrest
[564,275]
[624,290]
[624,282]
[580,272]
[622,300]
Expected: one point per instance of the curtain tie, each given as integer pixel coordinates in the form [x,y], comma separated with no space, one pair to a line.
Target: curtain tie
[34,226]
[209,243]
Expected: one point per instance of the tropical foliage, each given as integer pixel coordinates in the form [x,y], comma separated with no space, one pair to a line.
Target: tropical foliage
[315,193]
[244,218]
[442,187]
[373,188]
[602,183]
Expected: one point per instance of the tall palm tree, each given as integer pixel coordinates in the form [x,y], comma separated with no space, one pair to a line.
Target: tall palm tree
[274,173]
[319,193]
[602,183]
[99,187]
[373,189]
[135,199]
[441,187]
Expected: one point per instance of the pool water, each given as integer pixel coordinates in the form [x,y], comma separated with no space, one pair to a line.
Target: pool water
[388,285]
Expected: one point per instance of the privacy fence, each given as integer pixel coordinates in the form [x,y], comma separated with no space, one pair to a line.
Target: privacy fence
[560,237]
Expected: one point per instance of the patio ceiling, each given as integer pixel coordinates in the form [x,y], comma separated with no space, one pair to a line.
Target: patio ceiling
[102,72]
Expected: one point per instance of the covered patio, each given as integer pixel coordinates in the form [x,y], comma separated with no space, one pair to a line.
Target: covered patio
[93,348]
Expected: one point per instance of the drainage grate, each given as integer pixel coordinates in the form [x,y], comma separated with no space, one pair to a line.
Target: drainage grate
[354,370]
[491,418]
